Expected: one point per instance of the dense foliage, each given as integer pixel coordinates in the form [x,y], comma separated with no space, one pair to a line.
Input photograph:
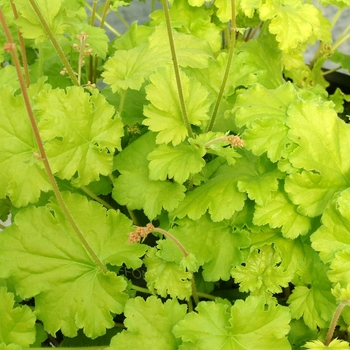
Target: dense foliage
[197,151]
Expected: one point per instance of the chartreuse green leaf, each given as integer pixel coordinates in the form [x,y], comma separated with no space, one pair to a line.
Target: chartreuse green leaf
[166,278]
[149,324]
[279,211]
[217,246]
[59,19]
[321,156]
[44,258]
[217,326]
[195,20]
[80,131]
[3,346]
[17,324]
[219,196]
[134,188]
[261,274]
[164,113]
[225,192]
[304,22]
[311,299]
[334,234]
[176,163]
[334,344]
[265,122]
[260,180]
[128,69]
[22,176]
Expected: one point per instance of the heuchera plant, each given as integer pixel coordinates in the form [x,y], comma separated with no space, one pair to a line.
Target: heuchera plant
[197,149]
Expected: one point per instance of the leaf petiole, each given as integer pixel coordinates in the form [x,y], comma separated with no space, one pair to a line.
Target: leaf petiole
[10,47]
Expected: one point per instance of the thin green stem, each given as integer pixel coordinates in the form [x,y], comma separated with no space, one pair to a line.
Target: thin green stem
[2,227]
[93,10]
[40,60]
[121,103]
[106,24]
[22,45]
[42,154]
[334,322]
[105,12]
[122,19]
[185,118]
[336,16]
[173,238]
[228,66]
[96,198]
[54,42]
[331,71]
[206,296]
[132,216]
[140,289]
[194,290]
[342,38]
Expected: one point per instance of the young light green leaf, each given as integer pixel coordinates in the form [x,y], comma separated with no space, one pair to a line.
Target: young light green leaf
[219,195]
[97,40]
[22,176]
[321,155]
[45,259]
[334,344]
[176,163]
[315,305]
[262,274]
[334,234]
[214,326]
[260,180]
[149,325]
[134,188]
[304,22]
[217,251]
[279,211]
[189,19]
[128,69]
[166,278]
[312,301]
[339,269]
[81,132]
[17,324]
[3,346]
[265,122]
[59,19]
[164,114]
[224,11]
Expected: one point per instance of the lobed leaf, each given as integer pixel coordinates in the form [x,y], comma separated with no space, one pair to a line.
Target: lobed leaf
[44,258]
[178,163]
[265,122]
[80,131]
[22,176]
[214,326]
[59,17]
[164,113]
[304,23]
[17,324]
[149,324]
[321,156]
[262,273]
[166,278]
[128,69]
[334,234]
[134,188]
[279,211]
[217,246]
